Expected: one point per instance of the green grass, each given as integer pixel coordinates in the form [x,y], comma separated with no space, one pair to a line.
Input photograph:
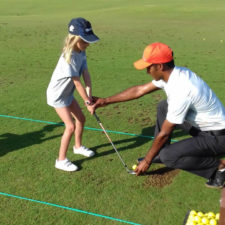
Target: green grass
[31,37]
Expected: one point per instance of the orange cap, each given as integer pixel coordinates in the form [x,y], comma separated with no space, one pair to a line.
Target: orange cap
[154,54]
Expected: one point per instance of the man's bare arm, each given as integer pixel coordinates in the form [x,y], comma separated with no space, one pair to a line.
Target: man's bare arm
[158,143]
[126,95]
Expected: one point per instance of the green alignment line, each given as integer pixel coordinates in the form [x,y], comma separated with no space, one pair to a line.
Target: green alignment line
[68,208]
[87,128]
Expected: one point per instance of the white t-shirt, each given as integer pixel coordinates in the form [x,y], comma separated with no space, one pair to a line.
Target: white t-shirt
[61,87]
[190,98]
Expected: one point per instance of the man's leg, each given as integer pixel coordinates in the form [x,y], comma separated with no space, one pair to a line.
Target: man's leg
[197,155]
[161,116]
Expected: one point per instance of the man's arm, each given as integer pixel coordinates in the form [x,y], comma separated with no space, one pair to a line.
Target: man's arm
[127,95]
[158,143]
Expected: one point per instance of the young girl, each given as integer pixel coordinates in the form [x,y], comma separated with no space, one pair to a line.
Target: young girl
[65,79]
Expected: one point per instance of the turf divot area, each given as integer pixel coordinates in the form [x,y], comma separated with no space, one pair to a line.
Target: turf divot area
[161,177]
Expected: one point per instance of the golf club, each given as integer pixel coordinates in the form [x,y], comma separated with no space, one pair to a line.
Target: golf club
[124,164]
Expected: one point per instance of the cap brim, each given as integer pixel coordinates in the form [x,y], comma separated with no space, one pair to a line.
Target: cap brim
[92,38]
[141,64]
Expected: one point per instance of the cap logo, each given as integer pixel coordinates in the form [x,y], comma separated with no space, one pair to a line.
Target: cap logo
[87,29]
[71,28]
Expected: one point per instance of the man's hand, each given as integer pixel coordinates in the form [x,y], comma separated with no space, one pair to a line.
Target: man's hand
[98,102]
[142,167]
[90,109]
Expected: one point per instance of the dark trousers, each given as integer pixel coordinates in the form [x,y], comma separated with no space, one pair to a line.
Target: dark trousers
[197,154]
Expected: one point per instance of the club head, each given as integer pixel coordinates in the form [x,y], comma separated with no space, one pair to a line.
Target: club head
[131,172]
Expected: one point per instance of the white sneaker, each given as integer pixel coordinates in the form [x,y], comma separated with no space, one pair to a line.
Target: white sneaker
[83,151]
[65,165]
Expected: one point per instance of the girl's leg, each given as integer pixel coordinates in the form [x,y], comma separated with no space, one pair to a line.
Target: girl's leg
[65,115]
[80,120]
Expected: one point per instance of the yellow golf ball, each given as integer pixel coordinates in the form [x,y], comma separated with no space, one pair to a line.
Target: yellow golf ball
[205,220]
[213,222]
[192,223]
[134,167]
[211,215]
[217,216]
[193,212]
[197,219]
[191,217]
[200,214]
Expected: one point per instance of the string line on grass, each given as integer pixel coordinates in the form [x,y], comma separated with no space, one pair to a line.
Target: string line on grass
[87,128]
[68,208]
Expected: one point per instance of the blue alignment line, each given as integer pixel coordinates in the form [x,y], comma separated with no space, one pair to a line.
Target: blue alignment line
[68,208]
[87,128]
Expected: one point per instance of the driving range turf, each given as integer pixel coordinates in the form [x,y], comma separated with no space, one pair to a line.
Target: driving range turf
[31,38]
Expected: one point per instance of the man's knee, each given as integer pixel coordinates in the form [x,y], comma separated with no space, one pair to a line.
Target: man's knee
[166,158]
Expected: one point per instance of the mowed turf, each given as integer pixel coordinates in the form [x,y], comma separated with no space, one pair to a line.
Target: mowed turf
[31,38]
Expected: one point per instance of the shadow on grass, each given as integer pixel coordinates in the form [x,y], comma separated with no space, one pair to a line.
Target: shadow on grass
[12,142]
[160,171]
[131,143]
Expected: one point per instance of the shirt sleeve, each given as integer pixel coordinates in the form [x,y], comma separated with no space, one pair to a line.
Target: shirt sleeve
[159,83]
[73,70]
[78,65]
[84,65]
[177,109]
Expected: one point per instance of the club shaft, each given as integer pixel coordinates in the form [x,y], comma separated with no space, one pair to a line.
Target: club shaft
[97,118]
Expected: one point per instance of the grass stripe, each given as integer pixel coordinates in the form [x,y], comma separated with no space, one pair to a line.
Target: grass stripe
[68,208]
[87,128]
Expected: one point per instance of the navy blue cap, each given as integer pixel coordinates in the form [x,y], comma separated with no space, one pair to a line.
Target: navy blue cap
[82,28]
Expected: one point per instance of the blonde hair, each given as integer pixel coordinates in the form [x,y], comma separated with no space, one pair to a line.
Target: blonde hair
[69,44]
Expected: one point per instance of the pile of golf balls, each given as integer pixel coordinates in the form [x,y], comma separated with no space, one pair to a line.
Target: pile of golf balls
[199,218]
